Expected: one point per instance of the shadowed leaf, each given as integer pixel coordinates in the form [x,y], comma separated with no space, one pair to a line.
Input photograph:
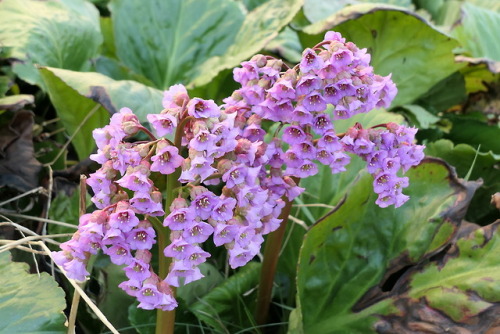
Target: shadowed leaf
[224,307]
[18,167]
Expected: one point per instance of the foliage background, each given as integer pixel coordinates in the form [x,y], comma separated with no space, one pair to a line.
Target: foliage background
[67,65]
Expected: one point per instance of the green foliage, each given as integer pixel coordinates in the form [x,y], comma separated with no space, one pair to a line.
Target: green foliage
[404,51]
[76,94]
[459,292]
[29,303]
[462,156]
[168,48]
[260,26]
[474,32]
[317,10]
[229,306]
[346,258]
[62,34]
[470,270]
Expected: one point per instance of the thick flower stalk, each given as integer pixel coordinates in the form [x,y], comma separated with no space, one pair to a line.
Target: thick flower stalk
[236,175]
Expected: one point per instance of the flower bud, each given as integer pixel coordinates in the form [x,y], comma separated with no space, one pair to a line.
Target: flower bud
[260,60]
[143,255]
[178,203]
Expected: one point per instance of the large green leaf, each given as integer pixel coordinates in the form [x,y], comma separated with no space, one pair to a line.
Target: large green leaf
[447,93]
[29,303]
[469,129]
[228,307]
[64,34]
[474,32]
[75,94]
[460,292]
[327,189]
[167,41]
[418,116]
[399,41]
[260,26]
[316,10]
[347,260]
[481,165]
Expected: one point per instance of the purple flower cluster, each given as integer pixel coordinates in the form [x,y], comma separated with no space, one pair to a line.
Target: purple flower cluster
[386,151]
[333,73]
[255,172]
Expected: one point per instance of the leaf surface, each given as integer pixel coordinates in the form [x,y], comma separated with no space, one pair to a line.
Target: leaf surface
[75,94]
[176,38]
[346,259]
[399,41]
[64,34]
[259,27]
[29,303]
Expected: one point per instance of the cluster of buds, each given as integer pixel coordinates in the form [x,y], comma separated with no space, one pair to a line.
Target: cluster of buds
[234,177]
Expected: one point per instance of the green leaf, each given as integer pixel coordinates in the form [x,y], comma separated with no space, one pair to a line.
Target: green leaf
[16,102]
[287,46]
[461,157]
[327,189]
[347,259]
[228,307]
[114,69]
[317,10]
[108,46]
[399,41]
[29,303]
[418,116]
[260,26]
[445,94]
[474,32]
[469,130]
[5,83]
[75,94]
[477,76]
[196,290]
[143,321]
[176,38]
[459,292]
[62,34]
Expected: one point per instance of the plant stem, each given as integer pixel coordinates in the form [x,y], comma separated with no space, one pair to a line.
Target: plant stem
[165,320]
[271,255]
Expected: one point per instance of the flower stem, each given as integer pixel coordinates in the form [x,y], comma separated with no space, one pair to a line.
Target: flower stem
[271,255]
[165,320]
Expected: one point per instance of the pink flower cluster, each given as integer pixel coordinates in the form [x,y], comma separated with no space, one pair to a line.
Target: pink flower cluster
[235,176]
